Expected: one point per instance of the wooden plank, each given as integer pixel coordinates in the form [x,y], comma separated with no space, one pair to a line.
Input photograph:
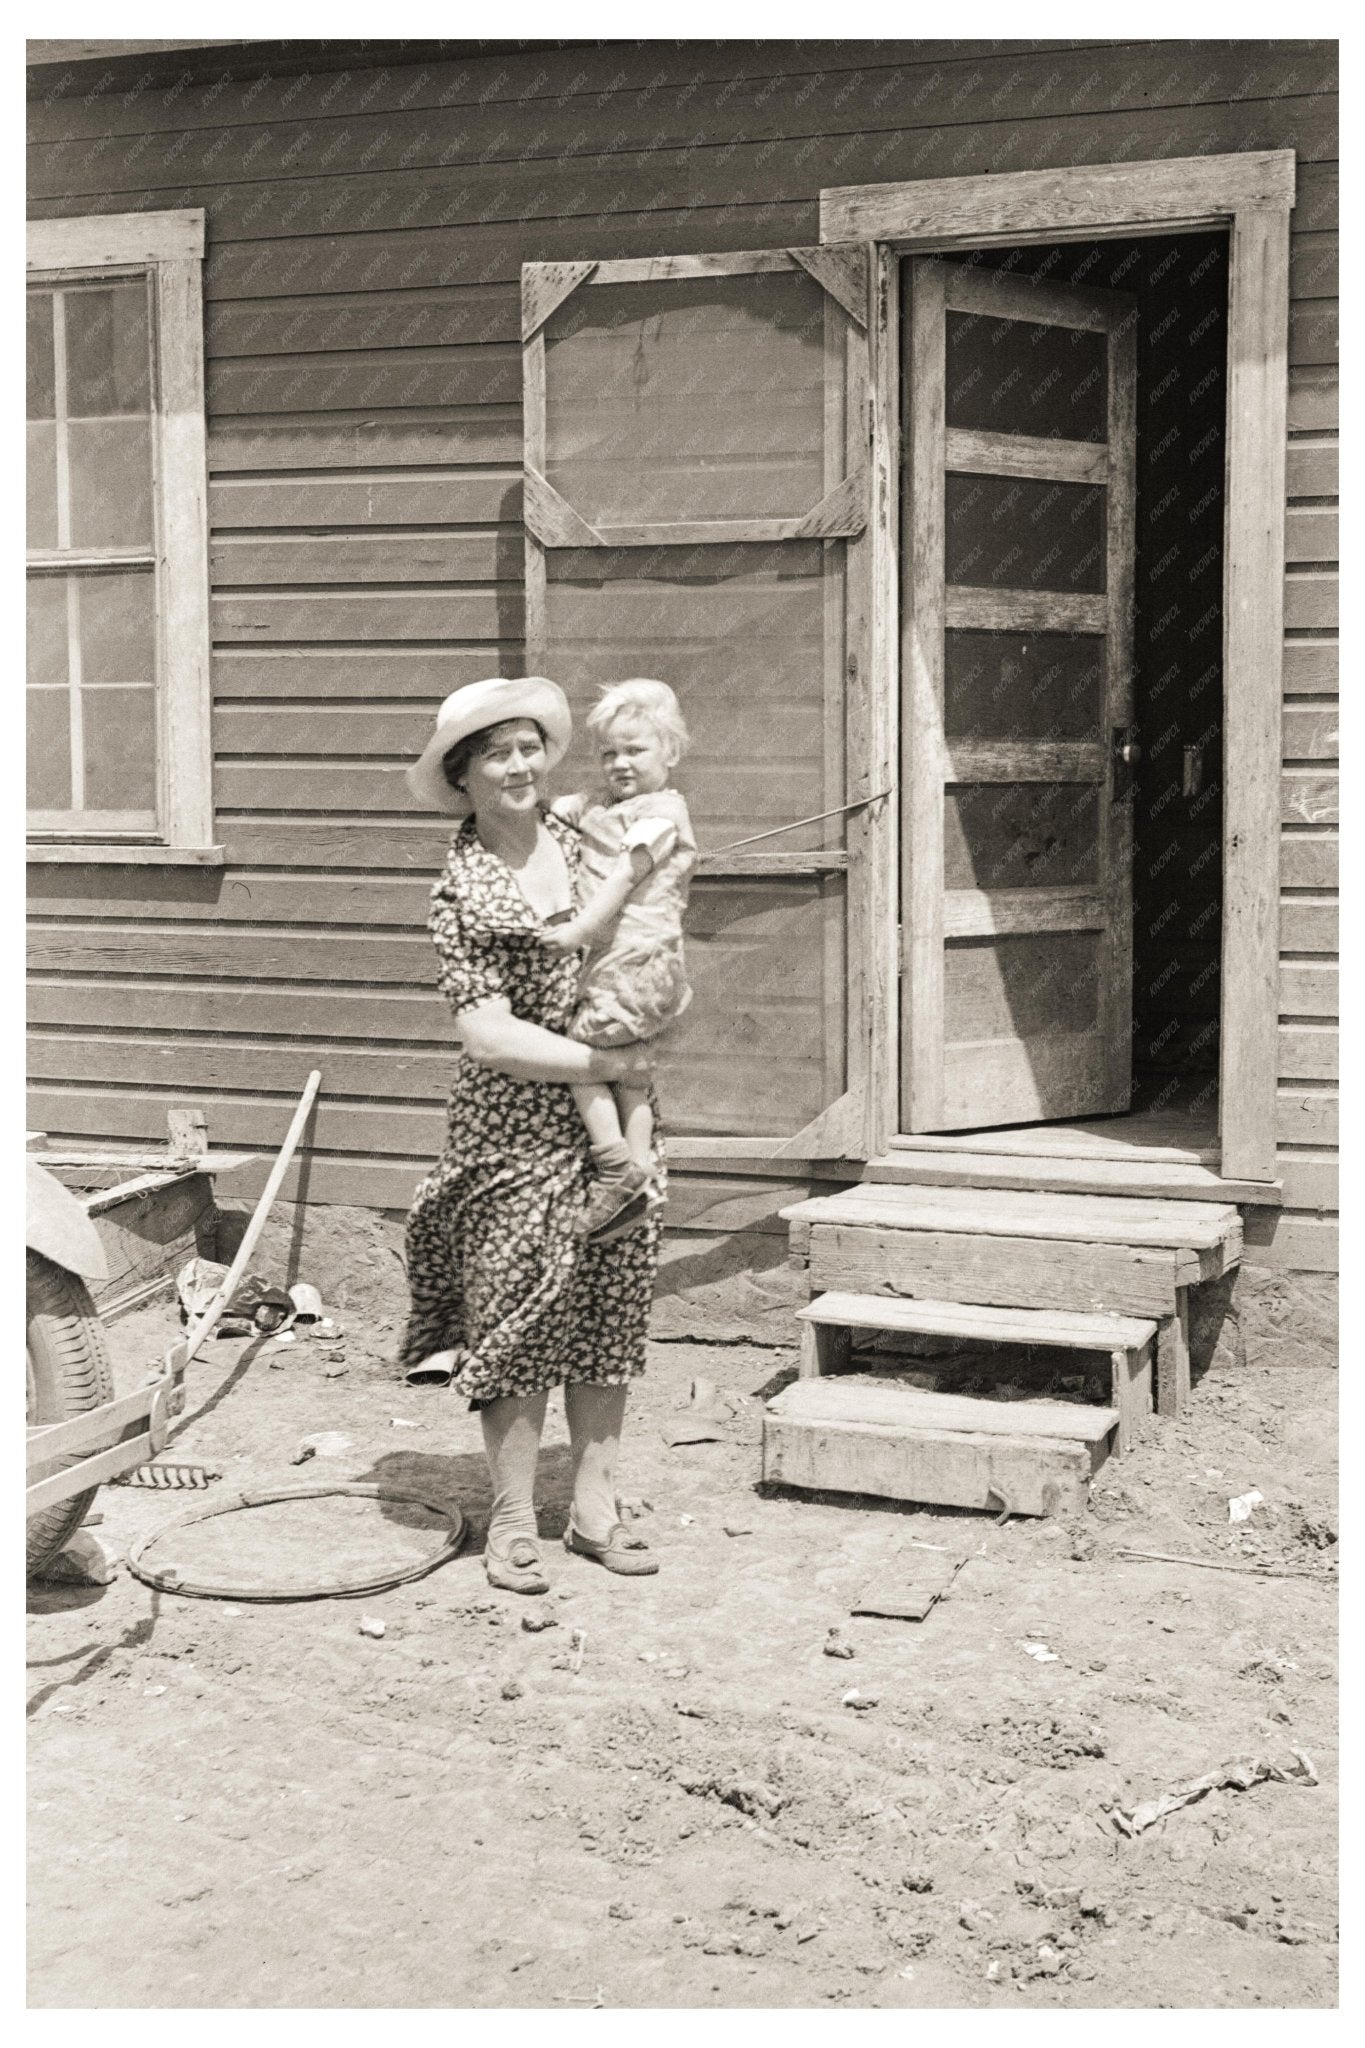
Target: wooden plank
[544,286]
[1311,1181]
[1309,1052]
[1312,468]
[1012,1272]
[1253,630]
[446,437]
[1311,666]
[1173,1359]
[922,750]
[1025,761]
[1309,989]
[979,454]
[1314,396]
[1308,859]
[493,613]
[550,518]
[1096,1176]
[972,913]
[466,497]
[101,241]
[1023,611]
[1308,798]
[893,1404]
[1311,733]
[1311,534]
[1087,1219]
[341,676]
[1167,1138]
[1299,1243]
[415,556]
[874,720]
[1034,1476]
[1066,1332]
[1312,600]
[1305,1116]
[376,380]
[998,294]
[1097,195]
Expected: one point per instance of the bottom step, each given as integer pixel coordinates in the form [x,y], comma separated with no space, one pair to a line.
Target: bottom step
[902,1443]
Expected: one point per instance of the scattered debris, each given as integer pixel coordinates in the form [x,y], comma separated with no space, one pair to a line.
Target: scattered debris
[738,1525]
[861,1702]
[285,1337]
[686,1521]
[401,1422]
[371,1625]
[1040,1653]
[539,1619]
[304,1452]
[578,1643]
[746,1795]
[1238,1777]
[632,1510]
[835,1646]
[1240,1507]
[335,1370]
[911,1597]
[1223,1564]
[323,1443]
[512,1688]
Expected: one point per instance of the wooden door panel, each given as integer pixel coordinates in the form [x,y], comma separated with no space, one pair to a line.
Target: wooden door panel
[1016,892]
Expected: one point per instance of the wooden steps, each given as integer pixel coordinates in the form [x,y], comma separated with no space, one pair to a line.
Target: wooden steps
[1133,1257]
[901,1443]
[1128,1342]
[1164,1178]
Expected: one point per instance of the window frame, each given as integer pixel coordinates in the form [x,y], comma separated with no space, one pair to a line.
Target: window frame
[168,248]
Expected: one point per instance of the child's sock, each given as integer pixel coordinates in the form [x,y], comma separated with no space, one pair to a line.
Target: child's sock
[611,1160]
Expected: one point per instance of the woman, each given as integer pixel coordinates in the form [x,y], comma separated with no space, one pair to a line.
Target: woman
[507,1299]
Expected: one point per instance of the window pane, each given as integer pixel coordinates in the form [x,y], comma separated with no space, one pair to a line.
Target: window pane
[1021,377]
[107,359]
[1023,686]
[47,662]
[118,627]
[120,749]
[111,482]
[739,633]
[1020,835]
[696,398]
[1016,533]
[1023,986]
[41,378]
[42,484]
[49,750]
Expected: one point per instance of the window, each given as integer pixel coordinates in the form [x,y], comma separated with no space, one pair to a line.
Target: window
[117,585]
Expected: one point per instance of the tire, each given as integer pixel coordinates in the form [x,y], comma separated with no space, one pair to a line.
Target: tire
[68,1374]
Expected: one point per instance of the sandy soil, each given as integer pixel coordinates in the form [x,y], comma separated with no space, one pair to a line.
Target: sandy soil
[260,1806]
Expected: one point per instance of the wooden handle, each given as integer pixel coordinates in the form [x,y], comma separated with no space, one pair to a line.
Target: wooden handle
[182,1352]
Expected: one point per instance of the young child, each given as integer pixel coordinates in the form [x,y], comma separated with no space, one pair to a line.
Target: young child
[638,856]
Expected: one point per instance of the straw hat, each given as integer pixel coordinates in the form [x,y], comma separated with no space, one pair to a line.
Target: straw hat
[472,709]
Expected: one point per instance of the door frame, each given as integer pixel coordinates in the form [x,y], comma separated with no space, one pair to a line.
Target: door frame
[1251,194]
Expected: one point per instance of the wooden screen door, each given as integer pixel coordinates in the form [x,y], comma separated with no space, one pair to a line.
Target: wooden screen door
[1016,907]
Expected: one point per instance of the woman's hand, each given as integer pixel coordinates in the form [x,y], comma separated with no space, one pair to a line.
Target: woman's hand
[561,938]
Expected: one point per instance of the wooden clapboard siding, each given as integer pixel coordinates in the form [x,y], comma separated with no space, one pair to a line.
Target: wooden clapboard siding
[367,227]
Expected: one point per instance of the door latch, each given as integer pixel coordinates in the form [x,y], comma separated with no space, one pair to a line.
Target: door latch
[1127,752]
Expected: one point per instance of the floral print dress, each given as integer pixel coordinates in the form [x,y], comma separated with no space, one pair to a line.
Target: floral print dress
[496,1270]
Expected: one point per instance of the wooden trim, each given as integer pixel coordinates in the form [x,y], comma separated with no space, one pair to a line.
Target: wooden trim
[988,913]
[1025,761]
[842,272]
[183,596]
[544,287]
[1002,297]
[1072,462]
[841,513]
[107,853]
[729,263]
[1024,611]
[96,241]
[550,517]
[1170,192]
[1116,815]
[533,445]
[1253,634]
[922,763]
[834,861]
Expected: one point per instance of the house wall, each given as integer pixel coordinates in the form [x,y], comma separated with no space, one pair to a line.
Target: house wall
[366,228]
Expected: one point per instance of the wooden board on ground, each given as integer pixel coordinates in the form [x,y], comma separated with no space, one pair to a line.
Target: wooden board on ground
[900,1444]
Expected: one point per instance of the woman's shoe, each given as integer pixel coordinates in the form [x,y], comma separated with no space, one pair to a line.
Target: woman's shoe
[521,1570]
[629,1555]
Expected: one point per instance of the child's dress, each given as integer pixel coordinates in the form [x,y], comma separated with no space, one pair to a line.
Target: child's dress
[634,980]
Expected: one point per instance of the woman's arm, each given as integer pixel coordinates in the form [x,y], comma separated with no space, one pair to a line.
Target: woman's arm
[493,1037]
[606,906]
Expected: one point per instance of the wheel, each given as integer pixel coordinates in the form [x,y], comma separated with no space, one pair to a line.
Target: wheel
[68,1373]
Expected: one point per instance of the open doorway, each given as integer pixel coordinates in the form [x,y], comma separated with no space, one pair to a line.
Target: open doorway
[1083,895]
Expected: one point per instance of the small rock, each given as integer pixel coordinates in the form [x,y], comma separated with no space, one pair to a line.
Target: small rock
[304,1452]
[861,1702]
[917,1879]
[512,1688]
[87,1560]
[401,1422]
[736,1527]
[835,1646]
[334,1372]
[371,1625]
[686,1521]
[619,1910]
[539,1619]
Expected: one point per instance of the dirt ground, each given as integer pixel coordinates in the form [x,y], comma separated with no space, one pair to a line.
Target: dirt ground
[247,1805]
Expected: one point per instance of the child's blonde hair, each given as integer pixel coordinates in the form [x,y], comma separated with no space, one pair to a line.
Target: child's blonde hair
[653,702]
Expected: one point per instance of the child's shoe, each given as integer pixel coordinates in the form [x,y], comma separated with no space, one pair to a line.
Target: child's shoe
[607,1199]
